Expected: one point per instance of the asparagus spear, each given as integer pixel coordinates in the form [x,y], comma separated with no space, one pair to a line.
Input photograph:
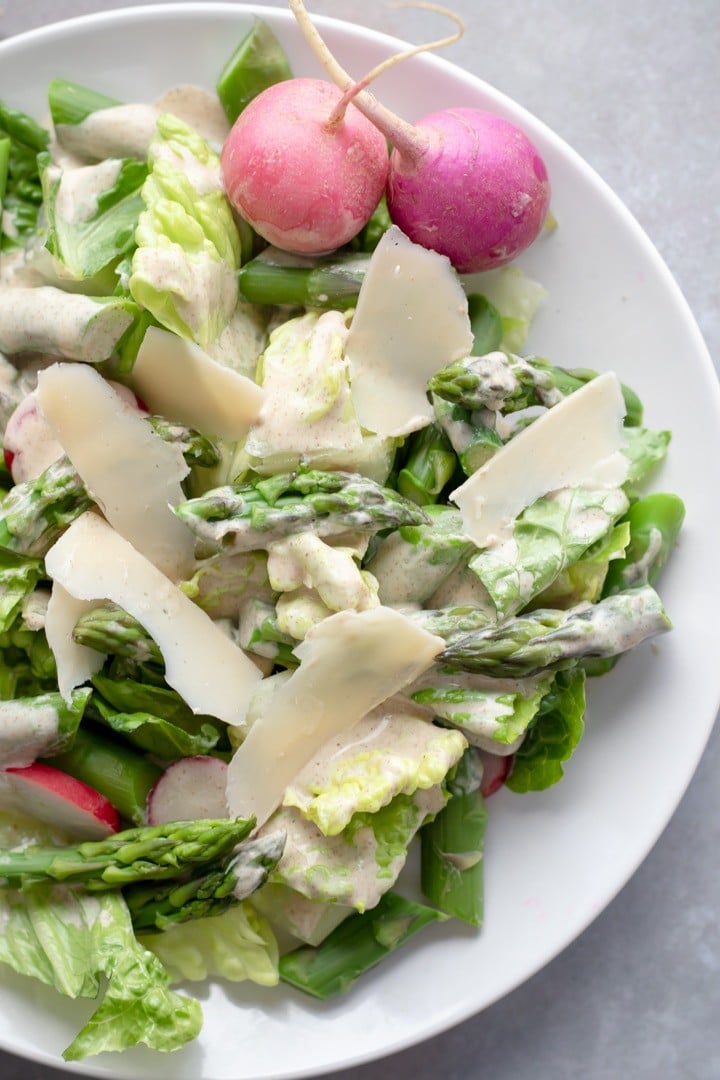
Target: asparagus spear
[257,63]
[473,440]
[358,944]
[273,277]
[548,639]
[454,624]
[110,629]
[118,772]
[35,513]
[452,846]
[503,381]
[259,633]
[71,103]
[655,524]
[245,517]
[211,891]
[151,853]
[486,324]
[429,465]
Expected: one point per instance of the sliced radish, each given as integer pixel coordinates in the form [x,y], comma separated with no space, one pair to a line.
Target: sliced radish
[29,444]
[190,789]
[50,795]
[496,770]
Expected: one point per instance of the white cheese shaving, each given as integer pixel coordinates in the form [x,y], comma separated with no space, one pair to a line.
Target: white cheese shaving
[91,562]
[75,663]
[576,442]
[350,663]
[411,319]
[177,379]
[130,472]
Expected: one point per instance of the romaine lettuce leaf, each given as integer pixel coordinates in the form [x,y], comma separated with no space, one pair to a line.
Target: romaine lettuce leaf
[584,580]
[645,449]
[481,712]
[552,738]
[38,726]
[18,577]
[516,296]
[357,866]
[387,753]
[68,939]
[547,537]
[92,212]
[236,945]
[184,270]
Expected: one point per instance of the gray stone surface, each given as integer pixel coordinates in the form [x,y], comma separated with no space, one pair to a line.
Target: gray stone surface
[635,88]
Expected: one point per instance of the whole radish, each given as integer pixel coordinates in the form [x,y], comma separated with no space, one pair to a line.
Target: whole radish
[464,182]
[475,189]
[305,178]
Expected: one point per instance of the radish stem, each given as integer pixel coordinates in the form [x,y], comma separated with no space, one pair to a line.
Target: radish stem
[404,136]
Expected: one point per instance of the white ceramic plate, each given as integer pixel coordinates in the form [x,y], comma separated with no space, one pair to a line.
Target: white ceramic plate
[554,860]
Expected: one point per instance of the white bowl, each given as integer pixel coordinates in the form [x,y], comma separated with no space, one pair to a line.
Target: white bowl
[554,860]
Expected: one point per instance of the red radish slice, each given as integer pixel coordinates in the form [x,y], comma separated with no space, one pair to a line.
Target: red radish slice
[43,792]
[496,770]
[190,789]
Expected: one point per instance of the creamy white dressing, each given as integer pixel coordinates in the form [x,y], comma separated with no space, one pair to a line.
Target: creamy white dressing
[242,340]
[305,560]
[298,611]
[307,407]
[64,325]
[191,281]
[26,732]
[79,189]
[637,573]
[199,109]
[122,131]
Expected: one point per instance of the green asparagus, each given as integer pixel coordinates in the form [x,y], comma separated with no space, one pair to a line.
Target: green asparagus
[429,466]
[501,381]
[472,438]
[452,846]
[118,772]
[257,63]
[36,512]
[548,639]
[244,517]
[455,623]
[273,277]
[151,853]
[356,946]
[109,629]
[655,524]
[211,891]
[486,324]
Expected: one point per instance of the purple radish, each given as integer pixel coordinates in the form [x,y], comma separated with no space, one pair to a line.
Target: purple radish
[464,182]
[190,789]
[49,795]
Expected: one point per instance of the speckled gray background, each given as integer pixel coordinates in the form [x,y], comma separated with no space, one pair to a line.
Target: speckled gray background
[634,86]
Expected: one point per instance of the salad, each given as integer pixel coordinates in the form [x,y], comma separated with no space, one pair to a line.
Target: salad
[302,558]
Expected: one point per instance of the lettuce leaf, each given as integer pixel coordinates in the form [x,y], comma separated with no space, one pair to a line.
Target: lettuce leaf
[68,939]
[236,945]
[547,537]
[92,212]
[482,712]
[386,754]
[515,295]
[556,731]
[357,866]
[18,577]
[184,270]
[645,449]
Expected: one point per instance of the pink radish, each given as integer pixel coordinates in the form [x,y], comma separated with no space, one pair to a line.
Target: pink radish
[463,182]
[43,792]
[305,180]
[29,442]
[190,789]
[496,770]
